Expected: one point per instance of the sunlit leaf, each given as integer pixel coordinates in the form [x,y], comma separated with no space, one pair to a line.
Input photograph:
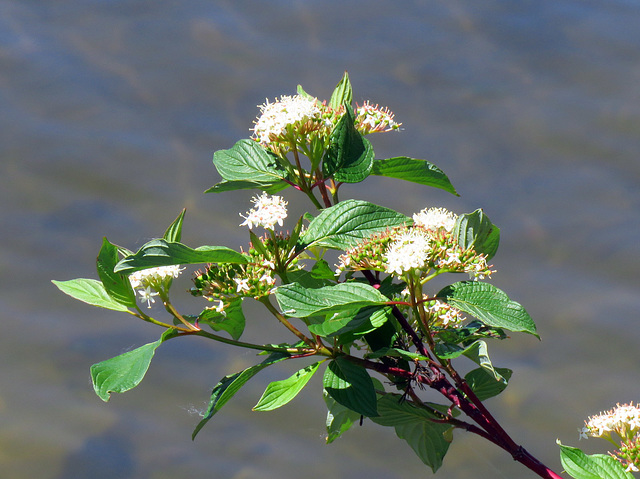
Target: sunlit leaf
[296,300]
[339,418]
[270,187]
[341,94]
[345,224]
[488,304]
[124,372]
[89,291]
[232,321]
[596,466]
[414,170]
[279,393]
[248,161]
[174,231]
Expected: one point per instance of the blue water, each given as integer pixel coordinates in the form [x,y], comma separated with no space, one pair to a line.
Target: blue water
[110,113]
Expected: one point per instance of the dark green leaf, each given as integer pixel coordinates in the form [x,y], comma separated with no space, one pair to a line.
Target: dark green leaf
[345,224]
[116,285]
[89,291]
[296,300]
[596,466]
[475,230]
[349,156]
[414,170]
[428,439]
[230,385]
[342,93]
[269,187]
[248,161]
[484,384]
[489,304]
[160,252]
[232,321]
[174,231]
[279,393]
[124,372]
[351,386]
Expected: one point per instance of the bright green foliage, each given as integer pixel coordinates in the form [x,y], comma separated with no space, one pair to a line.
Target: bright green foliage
[124,372]
[349,222]
[596,466]
[416,171]
[89,291]
[279,393]
[372,313]
[489,304]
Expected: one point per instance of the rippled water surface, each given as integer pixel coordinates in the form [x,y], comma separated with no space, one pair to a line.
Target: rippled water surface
[110,112]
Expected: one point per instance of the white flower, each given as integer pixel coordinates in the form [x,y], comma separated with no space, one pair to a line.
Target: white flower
[267,211]
[370,119]
[448,315]
[409,251]
[243,284]
[435,218]
[275,117]
[220,307]
[147,295]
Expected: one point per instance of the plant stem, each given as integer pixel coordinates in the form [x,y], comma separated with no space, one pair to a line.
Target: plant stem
[267,302]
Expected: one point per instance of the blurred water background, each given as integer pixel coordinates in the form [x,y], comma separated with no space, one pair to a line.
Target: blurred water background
[110,112]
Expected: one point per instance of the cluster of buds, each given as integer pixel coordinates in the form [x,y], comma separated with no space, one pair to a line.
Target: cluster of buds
[226,282]
[623,420]
[151,282]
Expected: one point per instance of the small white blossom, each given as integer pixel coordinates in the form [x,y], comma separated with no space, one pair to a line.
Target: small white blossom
[243,284]
[275,117]
[409,251]
[435,218]
[220,307]
[149,281]
[267,211]
[146,295]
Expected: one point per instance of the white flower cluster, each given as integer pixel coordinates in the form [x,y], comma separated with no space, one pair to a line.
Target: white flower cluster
[148,281]
[275,117]
[623,420]
[266,212]
[411,250]
[370,119]
[435,218]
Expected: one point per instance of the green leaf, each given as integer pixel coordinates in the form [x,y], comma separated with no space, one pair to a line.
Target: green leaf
[339,418]
[230,385]
[269,187]
[116,285]
[362,320]
[596,466]
[414,170]
[345,224]
[428,439]
[351,386]
[124,372]
[304,94]
[89,291]
[341,94]
[484,384]
[475,230]
[479,354]
[248,161]
[296,300]
[279,393]
[159,252]
[349,156]
[232,321]
[174,231]
[489,304]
